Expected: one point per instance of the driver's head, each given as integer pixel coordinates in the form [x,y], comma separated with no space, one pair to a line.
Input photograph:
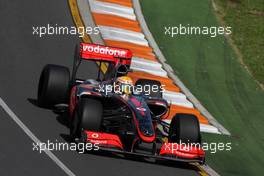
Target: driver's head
[126,84]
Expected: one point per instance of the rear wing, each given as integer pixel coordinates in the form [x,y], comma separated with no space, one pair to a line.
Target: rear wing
[119,59]
[105,54]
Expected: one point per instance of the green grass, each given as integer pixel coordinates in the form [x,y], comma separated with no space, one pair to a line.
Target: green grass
[211,70]
[247,20]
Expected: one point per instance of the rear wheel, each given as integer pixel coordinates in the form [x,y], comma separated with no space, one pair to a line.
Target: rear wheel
[151,88]
[53,85]
[87,116]
[184,128]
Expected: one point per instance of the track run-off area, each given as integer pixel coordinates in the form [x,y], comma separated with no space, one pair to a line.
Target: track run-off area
[211,70]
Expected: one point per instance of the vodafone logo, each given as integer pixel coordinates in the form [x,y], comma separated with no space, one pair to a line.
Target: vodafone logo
[104,50]
[95,135]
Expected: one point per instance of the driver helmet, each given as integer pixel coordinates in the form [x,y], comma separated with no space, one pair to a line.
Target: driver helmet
[125,84]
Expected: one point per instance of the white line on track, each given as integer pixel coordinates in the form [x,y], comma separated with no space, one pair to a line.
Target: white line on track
[34,138]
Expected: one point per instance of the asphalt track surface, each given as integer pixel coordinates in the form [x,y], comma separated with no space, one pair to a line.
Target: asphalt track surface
[22,56]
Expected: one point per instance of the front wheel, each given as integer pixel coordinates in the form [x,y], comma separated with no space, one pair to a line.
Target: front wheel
[87,116]
[184,128]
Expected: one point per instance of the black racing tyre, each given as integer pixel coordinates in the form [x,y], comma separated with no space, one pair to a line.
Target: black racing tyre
[87,116]
[153,85]
[53,85]
[184,128]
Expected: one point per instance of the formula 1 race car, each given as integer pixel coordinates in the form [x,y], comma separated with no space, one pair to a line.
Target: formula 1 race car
[127,120]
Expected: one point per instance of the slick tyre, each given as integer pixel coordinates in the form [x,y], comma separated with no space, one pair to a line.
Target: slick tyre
[87,116]
[184,128]
[53,85]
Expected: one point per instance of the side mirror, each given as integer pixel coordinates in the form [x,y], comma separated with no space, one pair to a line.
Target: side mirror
[121,70]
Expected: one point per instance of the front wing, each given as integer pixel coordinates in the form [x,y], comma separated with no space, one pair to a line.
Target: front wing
[168,151]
